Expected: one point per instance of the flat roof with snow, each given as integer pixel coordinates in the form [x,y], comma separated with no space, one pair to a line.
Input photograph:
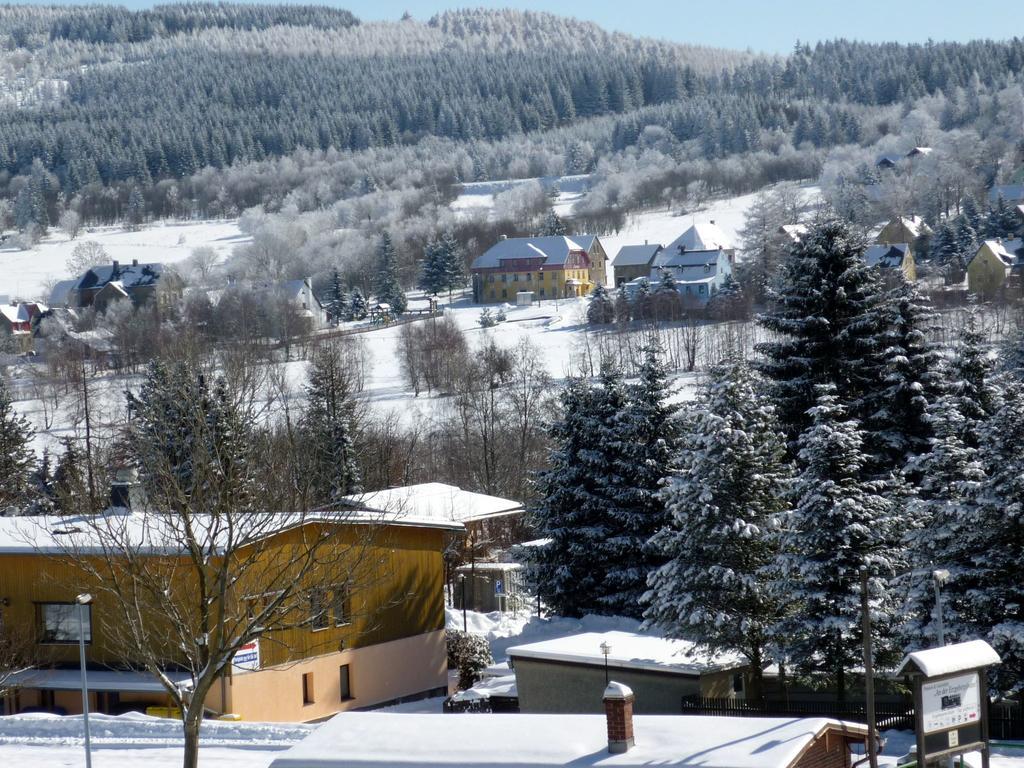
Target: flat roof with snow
[435,501]
[126,681]
[358,739]
[629,650]
[950,658]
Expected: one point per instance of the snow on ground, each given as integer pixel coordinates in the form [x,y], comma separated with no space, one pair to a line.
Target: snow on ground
[24,274]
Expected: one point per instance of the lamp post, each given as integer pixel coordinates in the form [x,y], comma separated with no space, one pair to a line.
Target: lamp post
[84,600]
[939,577]
[605,649]
[462,584]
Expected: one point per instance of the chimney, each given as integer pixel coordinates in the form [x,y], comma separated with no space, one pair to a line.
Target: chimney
[503,237]
[116,264]
[135,262]
[711,221]
[618,711]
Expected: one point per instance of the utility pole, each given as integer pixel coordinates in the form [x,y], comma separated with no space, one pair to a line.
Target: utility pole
[869,675]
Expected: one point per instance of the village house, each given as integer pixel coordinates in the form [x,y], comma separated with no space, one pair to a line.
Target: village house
[634,261]
[361,647]
[702,236]
[141,283]
[549,267]
[562,675]
[698,275]
[894,256]
[995,266]
[16,323]
[903,229]
[615,739]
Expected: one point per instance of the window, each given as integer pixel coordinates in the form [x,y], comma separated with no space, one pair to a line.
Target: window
[504,278]
[318,618]
[703,289]
[737,683]
[504,293]
[58,622]
[707,267]
[529,277]
[341,606]
[307,688]
[515,278]
[346,682]
[490,278]
[541,291]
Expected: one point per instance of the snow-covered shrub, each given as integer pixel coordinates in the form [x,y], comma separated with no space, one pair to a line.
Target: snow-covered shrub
[468,653]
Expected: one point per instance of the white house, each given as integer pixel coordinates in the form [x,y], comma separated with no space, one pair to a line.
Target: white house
[702,236]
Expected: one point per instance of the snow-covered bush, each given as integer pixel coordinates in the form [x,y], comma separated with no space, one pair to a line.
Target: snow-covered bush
[468,653]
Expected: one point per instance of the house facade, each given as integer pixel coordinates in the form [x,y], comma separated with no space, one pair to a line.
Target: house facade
[16,319]
[549,267]
[360,648]
[995,266]
[698,275]
[903,229]
[634,261]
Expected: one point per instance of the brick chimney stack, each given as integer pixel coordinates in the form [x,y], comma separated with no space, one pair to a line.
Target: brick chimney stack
[618,711]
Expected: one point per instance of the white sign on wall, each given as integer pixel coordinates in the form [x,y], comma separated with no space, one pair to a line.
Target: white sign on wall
[247,657]
[952,702]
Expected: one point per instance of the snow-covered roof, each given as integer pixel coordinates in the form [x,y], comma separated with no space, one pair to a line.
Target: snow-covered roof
[636,255]
[98,680]
[129,275]
[795,232]
[157,534]
[1010,252]
[920,151]
[554,250]
[887,160]
[363,739]
[488,687]
[1009,192]
[60,292]
[434,501]
[696,258]
[886,254]
[702,236]
[629,650]
[951,658]
[22,312]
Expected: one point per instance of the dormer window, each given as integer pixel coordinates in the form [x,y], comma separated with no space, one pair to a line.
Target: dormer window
[707,267]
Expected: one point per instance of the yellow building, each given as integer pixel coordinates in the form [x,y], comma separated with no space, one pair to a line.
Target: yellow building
[993,266]
[548,267]
[376,642]
[892,256]
[903,229]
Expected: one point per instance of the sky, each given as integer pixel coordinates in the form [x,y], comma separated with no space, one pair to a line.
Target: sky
[761,25]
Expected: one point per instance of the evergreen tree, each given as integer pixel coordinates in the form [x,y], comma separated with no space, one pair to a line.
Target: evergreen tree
[42,490]
[443,265]
[971,214]
[971,379]
[897,422]
[553,225]
[16,457]
[601,310]
[136,211]
[386,287]
[1002,221]
[336,302]
[723,501]
[946,478]
[328,426]
[70,483]
[985,590]
[840,523]
[828,314]
[357,305]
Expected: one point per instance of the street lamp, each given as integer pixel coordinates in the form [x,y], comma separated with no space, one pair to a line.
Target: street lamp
[83,600]
[939,577]
[462,583]
[605,649]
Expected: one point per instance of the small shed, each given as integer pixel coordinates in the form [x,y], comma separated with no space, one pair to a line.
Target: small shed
[490,587]
[561,675]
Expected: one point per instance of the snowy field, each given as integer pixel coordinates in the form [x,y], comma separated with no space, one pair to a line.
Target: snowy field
[24,274]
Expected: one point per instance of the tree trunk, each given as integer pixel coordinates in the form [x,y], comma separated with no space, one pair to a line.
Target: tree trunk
[755,691]
[192,718]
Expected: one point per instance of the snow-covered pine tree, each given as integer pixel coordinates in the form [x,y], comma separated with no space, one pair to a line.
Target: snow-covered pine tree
[946,478]
[966,238]
[945,252]
[972,380]
[443,265]
[328,426]
[601,310]
[971,214]
[432,273]
[42,491]
[386,286]
[70,486]
[647,436]
[16,457]
[336,300]
[1002,221]
[357,304]
[840,523]
[569,511]
[552,225]
[896,424]
[985,592]
[829,323]
[723,501]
